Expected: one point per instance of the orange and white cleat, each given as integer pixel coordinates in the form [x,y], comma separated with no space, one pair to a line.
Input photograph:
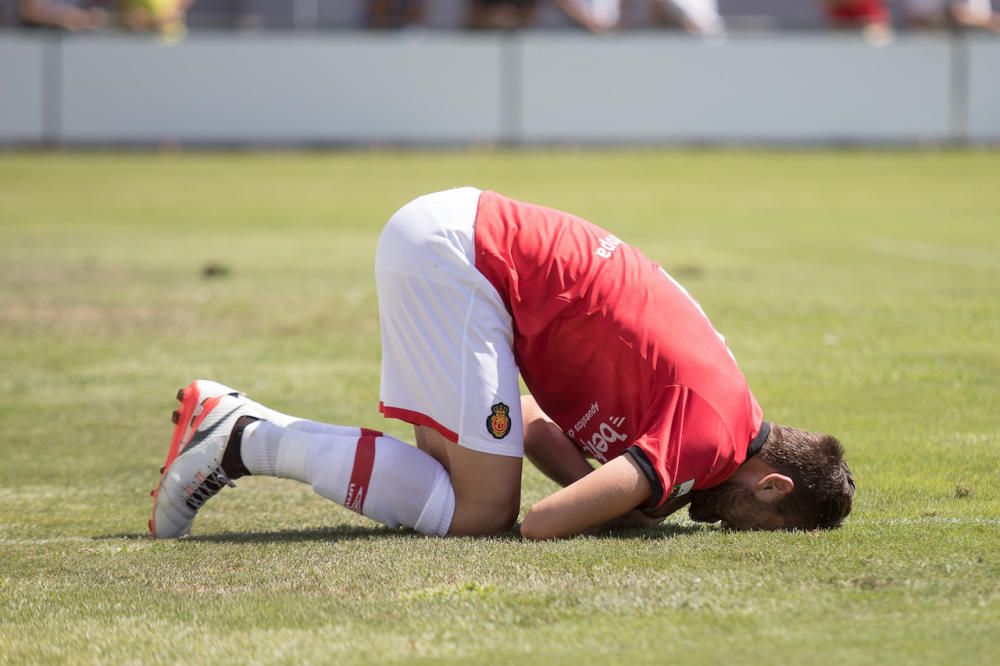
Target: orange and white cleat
[193,471]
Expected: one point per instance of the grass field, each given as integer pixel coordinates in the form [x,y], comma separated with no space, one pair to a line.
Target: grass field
[859,291]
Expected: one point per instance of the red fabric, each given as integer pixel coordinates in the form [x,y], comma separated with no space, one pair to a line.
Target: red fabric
[361,474]
[612,348]
[416,418]
[862,11]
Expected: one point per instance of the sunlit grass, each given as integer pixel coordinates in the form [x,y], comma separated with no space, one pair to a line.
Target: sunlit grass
[859,291]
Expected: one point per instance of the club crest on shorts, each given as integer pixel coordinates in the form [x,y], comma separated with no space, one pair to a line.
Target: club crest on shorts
[498,423]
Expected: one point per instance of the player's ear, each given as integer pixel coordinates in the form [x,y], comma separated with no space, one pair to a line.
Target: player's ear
[772,487]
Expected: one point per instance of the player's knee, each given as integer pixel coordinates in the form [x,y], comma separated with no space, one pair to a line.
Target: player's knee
[500,518]
[507,515]
[484,519]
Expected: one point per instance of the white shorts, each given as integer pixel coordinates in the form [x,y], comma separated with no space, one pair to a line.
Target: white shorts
[447,356]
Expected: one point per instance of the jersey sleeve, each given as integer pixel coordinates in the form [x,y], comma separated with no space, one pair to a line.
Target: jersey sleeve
[688,448]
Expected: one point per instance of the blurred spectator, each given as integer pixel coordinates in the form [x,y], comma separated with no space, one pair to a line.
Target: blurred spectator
[594,15]
[501,14]
[165,16]
[869,16]
[60,14]
[697,17]
[387,14]
[958,13]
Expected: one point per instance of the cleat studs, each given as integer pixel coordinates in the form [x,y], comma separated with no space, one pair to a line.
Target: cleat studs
[176,416]
[162,468]
[180,395]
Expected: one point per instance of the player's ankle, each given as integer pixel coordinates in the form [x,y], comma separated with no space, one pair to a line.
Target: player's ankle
[232,458]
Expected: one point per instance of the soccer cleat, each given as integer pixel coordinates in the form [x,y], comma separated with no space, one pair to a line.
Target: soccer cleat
[191,397]
[193,471]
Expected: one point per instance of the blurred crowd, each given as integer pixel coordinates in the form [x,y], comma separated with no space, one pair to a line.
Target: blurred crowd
[704,18]
[164,16]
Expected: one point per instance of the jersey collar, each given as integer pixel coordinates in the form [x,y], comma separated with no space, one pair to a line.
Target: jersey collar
[758,441]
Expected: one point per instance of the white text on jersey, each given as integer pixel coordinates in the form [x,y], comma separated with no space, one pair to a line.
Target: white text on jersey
[607,434]
[609,244]
[584,420]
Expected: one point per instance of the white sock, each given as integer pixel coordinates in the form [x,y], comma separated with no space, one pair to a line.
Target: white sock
[305,425]
[370,473]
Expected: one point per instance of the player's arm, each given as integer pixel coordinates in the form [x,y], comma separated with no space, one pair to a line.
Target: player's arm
[606,493]
[548,447]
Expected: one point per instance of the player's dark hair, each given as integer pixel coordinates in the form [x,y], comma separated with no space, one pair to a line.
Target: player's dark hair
[824,486]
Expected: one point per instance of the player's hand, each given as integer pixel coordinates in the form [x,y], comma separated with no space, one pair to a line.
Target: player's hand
[668,507]
[634,519]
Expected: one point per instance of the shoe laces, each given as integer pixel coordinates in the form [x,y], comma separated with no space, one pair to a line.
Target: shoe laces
[208,488]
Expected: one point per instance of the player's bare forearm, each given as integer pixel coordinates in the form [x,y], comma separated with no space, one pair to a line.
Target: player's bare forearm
[556,456]
[607,493]
[548,447]
[648,517]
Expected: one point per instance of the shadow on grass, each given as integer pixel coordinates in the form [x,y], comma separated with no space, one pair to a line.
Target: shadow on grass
[358,533]
[331,534]
[338,533]
[658,533]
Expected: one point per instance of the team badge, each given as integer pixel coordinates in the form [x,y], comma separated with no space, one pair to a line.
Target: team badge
[682,488]
[498,423]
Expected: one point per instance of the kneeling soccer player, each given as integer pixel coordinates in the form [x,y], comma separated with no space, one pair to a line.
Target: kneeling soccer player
[622,365]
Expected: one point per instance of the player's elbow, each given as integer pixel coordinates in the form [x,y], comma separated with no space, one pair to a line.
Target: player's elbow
[536,526]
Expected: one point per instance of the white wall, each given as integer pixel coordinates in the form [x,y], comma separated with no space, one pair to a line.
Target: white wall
[22,109]
[984,89]
[532,88]
[356,88]
[791,89]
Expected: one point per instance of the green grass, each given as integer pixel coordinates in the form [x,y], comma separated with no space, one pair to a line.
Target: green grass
[859,291]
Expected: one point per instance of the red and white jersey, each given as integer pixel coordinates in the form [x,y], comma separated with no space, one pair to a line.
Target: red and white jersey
[613,349]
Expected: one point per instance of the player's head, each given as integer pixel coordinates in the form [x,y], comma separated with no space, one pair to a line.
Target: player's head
[798,480]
